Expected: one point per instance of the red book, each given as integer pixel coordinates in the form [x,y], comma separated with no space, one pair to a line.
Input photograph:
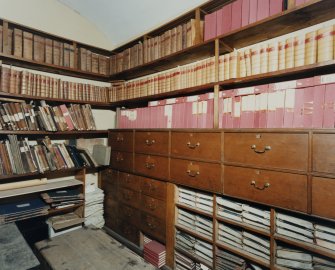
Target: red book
[227,18]
[245,12]
[210,26]
[253,11]
[67,116]
[236,22]
[219,22]
[276,6]
[263,9]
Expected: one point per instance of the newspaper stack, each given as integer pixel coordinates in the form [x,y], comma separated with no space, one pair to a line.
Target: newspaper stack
[196,199]
[204,250]
[256,217]
[325,236]
[227,261]
[256,245]
[323,264]
[94,208]
[294,258]
[185,263]
[229,209]
[293,227]
[185,242]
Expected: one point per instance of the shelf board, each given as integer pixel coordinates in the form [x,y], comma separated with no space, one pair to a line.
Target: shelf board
[53,211]
[75,133]
[244,254]
[50,68]
[307,246]
[193,233]
[194,257]
[51,185]
[195,210]
[94,104]
[311,13]
[244,226]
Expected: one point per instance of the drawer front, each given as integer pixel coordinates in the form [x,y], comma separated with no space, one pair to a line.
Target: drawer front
[111,206]
[288,151]
[153,207]
[323,153]
[323,199]
[109,176]
[152,166]
[153,188]
[153,226]
[195,174]
[152,142]
[129,197]
[122,161]
[129,231]
[196,145]
[121,141]
[276,188]
[129,181]
[112,223]
[130,214]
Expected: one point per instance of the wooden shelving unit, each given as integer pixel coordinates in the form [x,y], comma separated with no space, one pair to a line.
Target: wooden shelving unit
[193,233]
[194,257]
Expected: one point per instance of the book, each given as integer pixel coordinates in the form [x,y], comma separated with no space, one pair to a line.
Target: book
[18,40]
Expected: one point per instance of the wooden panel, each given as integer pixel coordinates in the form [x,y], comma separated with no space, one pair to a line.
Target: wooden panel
[152,166]
[153,207]
[129,231]
[130,214]
[323,199]
[153,227]
[276,150]
[111,206]
[196,145]
[109,182]
[122,161]
[112,223]
[195,174]
[121,140]
[323,153]
[129,197]
[152,142]
[153,188]
[129,181]
[276,188]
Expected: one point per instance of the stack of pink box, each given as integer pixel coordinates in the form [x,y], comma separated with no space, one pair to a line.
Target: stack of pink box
[304,103]
[238,14]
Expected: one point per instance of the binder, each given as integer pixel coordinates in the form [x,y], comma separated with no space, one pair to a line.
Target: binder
[227,18]
[236,15]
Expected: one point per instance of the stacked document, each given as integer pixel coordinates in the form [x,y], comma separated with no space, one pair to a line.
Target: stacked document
[185,242]
[63,198]
[323,264]
[155,253]
[256,217]
[293,258]
[204,250]
[325,236]
[185,263]
[94,208]
[230,236]
[229,209]
[293,227]
[28,208]
[256,245]
[253,267]
[196,199]
[228,261]
[203,226]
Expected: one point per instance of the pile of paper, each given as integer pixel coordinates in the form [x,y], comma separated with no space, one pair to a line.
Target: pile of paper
[323,264]
[155,253]
[63,198]
[94,208]
[230,236]
[228,261]
[196,199]
[204,250]
[256,245]
[325,236]
[185,263]
[203,226]
[185,242]
[229,209]
[293,227]
[293,258]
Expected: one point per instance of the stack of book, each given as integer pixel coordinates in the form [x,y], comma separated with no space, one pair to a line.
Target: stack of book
[94,208]
[196,199]
[63,198]
[226,260]
[28,208]
[230,236]
[204,250]
[256,245]
[256,217]
[185,263]
[229,209]
[93,62]
[294,258]
[322,263]
[155,253]
[294,227]
[64,223]
[185,242]
[324,236]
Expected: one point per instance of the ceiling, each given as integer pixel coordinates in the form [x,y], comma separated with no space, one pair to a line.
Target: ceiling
[123,20]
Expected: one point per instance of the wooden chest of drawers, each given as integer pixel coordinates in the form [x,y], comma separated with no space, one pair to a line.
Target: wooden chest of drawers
[152,142]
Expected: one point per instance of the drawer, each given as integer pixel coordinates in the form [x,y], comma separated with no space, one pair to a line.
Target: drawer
[153,188]
[323,199]
[130,214]
[195,174]
[153,207]
[112,223]
[276,150]
[121,140]
[152,142]
[285,190]
[196,145]
[109,175]
[129,181]
[122,161]
[323,153]
[129,197]
[153,226]
[152,166]
[130,232]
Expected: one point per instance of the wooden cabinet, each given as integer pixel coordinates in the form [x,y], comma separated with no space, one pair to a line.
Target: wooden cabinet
[121,140]
[323,197]
[323,153]
[153,207]
[129,197]
[129,181]
[122,161]
[153,226]
[152,166]
[152,142]
[153,188]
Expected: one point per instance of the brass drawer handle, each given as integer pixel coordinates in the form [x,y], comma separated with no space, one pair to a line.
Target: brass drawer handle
[192,173]
[129,213]
[266,148]
[119,139]
[119,159]
[149,166]
[266,185]
[151,226]
[148,142]
[150,187]
[152,206]
[192,146]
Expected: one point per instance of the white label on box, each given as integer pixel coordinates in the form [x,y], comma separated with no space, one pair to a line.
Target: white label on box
[133,115]
[330,78]
[237,109]
[171,101]
[272,101]
[196,107]
[204,107]
[153,103]
[211,96]
[167,110]
[280,99]
[289,98]
[263,105]
[285,85]
[245,91]
[192,98]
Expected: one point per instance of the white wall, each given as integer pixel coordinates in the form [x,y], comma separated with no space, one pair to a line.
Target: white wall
[55,18]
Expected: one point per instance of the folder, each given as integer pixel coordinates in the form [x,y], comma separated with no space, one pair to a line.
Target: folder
[236,15]
[263,9]
[227,18]
[276,6]
[253,11]
[245,12]
[219,22]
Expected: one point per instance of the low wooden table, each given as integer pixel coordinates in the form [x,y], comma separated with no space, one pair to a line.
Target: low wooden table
[88,249]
